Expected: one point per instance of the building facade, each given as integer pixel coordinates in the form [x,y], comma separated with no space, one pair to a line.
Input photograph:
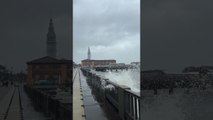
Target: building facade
[96,63]
[51,69]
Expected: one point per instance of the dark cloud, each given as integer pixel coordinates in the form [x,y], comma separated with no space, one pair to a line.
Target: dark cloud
[110,28]
[24,24]
[177,33]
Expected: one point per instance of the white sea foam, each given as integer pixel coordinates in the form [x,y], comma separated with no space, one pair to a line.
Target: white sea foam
[110,87]
[129,78]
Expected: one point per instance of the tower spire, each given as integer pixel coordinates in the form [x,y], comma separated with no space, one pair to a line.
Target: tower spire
[89,54]
[51,28]
[51,40]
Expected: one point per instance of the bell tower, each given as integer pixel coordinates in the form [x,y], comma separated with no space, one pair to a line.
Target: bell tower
[51,40]
[89,54]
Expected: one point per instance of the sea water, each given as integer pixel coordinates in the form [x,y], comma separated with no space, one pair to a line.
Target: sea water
[129,78]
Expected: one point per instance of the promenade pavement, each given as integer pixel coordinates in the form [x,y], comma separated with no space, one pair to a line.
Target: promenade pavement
[15,104]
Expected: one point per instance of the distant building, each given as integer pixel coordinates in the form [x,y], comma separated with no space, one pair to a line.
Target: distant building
[48,68]
[135,63]
[94,63]
[51,41]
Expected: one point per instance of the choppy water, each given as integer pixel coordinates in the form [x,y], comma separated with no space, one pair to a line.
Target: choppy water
[130,78]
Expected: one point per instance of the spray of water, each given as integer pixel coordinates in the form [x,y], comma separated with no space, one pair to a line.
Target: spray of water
[129,78]
[110,87]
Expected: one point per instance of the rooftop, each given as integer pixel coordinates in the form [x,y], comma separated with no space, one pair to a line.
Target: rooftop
[49,60]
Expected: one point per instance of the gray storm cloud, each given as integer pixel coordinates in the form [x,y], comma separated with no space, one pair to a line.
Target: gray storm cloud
[24,24]
[110,28]
[176,34]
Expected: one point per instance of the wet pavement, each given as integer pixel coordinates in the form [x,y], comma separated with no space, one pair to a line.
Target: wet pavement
[93,109]
[7,94]
[29,113]
[78,109]
[4,90]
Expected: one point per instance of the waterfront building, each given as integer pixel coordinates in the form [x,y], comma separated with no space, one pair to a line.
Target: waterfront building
[94,63]
[135,63]
[48,68]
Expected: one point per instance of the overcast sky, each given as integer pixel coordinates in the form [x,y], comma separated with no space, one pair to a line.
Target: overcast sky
[177,33]
[23,29]
[111,28]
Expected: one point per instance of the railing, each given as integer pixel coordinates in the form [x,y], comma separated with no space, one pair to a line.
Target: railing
[125,101]
[132,105]
[45,103]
